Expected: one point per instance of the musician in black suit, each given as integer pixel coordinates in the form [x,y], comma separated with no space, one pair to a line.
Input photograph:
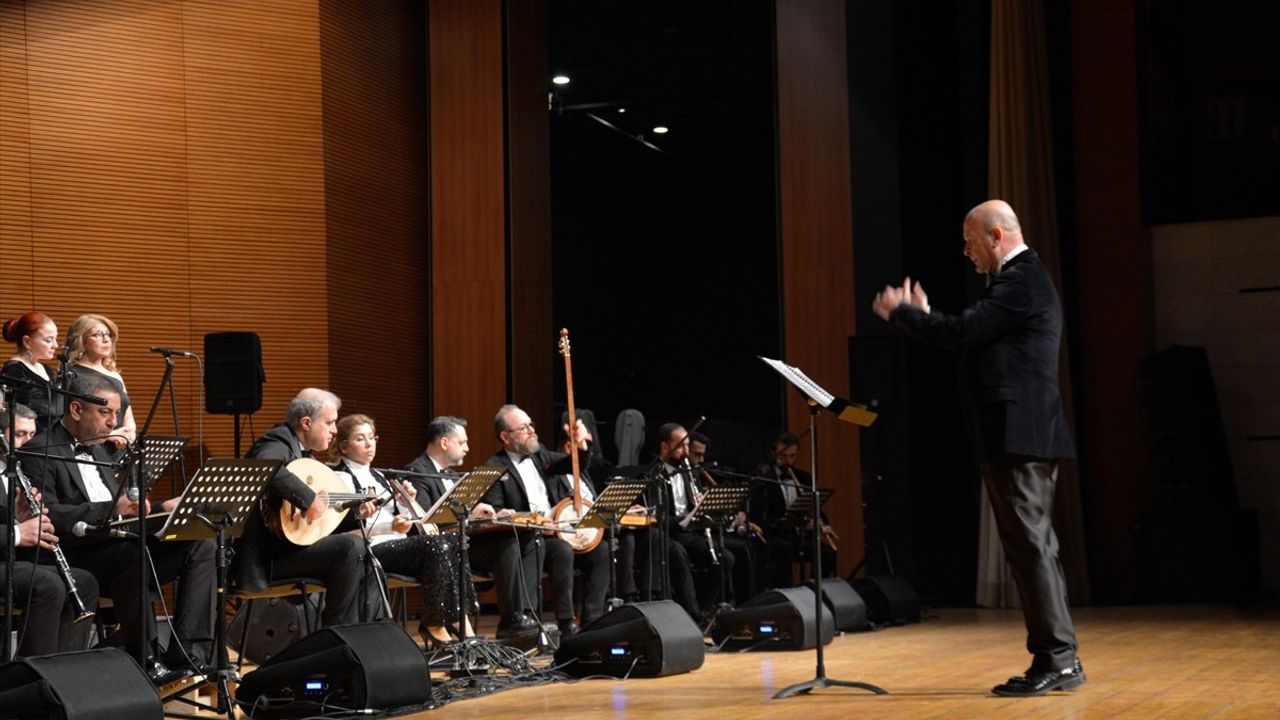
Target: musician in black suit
[686,549]
[76,491]
[498,552]
[47,623]
[741,537]
[1009,342]
[528,488]
[336,559]
[768,505]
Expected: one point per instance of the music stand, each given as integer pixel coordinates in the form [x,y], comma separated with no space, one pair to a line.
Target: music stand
[605,512]
[455,506]
[718,504]
[849,412]
[215,504]
[801,509]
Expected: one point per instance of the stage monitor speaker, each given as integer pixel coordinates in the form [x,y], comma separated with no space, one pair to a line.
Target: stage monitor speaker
[647,639]
[102,684]
[368,666]
[233,373]
[890,600]
[774,620]
[845,604]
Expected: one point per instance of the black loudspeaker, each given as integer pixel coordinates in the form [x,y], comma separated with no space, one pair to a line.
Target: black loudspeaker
[648,639]
[845,604]
[364,666]
[233,374]
[103,684]
[774,620]
[890,600]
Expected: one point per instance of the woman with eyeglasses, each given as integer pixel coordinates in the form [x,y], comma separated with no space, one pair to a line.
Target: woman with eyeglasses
[92,352]
[395,538]
[35,336]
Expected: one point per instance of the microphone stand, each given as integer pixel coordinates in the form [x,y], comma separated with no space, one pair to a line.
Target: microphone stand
[10,522]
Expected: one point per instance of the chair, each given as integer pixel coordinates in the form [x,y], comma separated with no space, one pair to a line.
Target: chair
[289,587]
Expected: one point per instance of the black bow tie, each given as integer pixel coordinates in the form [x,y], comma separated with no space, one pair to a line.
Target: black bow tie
[82,449]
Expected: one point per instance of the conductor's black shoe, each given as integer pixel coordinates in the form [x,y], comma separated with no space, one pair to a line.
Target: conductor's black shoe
[568,628]
[160,674]
[1039,682]
[518,625]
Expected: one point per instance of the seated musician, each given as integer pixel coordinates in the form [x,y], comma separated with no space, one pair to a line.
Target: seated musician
[687,549]
[337,559]
[60,461]
[768,505]
[527,488]
[743,539]
[559,472]
[501,553]
[396,539]
[48,621]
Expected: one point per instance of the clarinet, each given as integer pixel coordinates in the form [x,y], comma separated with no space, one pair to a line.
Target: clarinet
[82,613]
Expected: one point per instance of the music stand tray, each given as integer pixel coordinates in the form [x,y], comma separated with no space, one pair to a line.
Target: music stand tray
[465,495]
[227,487]
[719,502]
[612,503]
[801,509]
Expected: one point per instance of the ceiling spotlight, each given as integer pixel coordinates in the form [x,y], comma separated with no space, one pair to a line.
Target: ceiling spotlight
[660,129]
[560,80]
[621,110]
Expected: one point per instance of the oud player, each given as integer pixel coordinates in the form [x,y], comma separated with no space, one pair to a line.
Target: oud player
[337,560]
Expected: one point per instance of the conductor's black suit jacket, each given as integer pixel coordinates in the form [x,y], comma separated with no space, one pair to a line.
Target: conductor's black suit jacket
[1009,343]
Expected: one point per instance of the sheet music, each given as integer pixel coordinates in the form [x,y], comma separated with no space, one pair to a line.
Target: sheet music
[801,381]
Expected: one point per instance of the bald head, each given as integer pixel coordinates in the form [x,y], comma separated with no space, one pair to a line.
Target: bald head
[991,231]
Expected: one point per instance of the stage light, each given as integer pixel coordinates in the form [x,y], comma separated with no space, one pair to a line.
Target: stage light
[560,80]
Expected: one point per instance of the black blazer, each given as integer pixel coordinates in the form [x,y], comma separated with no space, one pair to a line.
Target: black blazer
[64,491]
[429,489]
[257,547]
[508,492]
[1009,343]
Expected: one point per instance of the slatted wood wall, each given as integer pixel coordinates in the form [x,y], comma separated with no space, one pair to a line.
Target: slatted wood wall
[817,241]
[193,167]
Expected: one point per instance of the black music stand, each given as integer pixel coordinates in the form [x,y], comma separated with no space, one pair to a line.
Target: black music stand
[455,506]
[849,412]
[605,512]
[801,509]
[718,504]
[215,504]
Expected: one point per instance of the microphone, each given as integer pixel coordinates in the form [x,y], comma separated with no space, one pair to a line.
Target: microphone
[171,351]
[84,529]
[357,502]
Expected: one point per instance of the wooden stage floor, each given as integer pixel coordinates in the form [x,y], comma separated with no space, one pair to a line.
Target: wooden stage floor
[1142,662]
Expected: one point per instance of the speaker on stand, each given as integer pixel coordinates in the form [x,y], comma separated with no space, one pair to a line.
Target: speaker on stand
[233,376]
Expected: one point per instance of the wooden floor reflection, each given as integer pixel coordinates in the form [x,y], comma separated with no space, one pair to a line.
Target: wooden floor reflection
[1142,662]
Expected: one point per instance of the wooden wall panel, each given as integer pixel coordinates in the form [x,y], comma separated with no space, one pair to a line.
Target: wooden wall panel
[175,183]
[255,189]
[374,75]
[816,240]
[532,337]
[16,290]
[1114,336]
[468,232]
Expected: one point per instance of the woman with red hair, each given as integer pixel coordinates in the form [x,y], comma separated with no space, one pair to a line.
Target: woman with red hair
[35,336]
